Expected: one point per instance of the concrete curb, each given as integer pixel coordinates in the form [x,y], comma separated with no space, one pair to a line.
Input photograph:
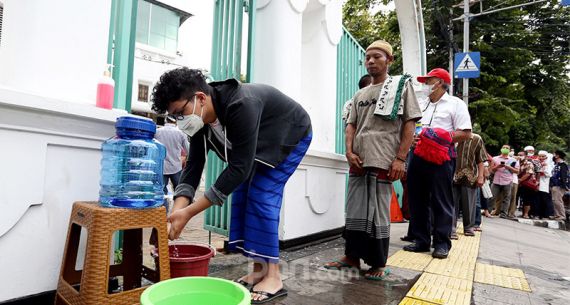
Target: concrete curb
[551,224]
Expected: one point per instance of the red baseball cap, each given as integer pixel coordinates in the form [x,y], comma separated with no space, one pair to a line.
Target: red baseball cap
[437,72]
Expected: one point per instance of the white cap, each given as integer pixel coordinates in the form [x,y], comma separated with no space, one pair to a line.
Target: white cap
[528,148]
[543,153]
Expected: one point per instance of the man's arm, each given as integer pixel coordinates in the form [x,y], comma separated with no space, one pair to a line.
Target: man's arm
[398,168]
[563,175]
[353,159]
[181,215]
[461,135]
[494,166]
[190,179]
[512,169]
[480,174]
[461,122]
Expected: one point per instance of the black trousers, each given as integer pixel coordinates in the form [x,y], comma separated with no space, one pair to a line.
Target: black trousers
[430,187]
[545,207]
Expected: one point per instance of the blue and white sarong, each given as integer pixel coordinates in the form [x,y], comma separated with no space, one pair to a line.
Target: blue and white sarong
[256,206]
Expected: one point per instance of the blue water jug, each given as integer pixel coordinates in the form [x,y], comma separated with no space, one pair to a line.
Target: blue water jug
[131,166]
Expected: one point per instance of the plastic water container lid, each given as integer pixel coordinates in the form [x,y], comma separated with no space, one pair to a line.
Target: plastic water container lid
[131,122]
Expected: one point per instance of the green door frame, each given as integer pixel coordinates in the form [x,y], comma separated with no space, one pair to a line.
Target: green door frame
[226,63]
[350,67]
[121,50]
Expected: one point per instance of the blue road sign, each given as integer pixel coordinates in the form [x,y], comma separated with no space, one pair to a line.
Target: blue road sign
[467,65]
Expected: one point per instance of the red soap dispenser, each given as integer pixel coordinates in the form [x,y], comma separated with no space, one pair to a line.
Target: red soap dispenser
[105,90]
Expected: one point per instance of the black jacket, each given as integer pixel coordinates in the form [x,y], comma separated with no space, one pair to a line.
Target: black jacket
[261,123]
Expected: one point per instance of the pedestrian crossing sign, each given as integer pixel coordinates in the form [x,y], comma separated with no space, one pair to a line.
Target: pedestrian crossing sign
[467,65]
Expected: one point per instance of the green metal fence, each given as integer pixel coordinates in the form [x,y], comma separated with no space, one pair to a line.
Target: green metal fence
[350,67]
[226,63]
[121,49]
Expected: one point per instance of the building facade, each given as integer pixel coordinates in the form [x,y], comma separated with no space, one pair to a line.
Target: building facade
[52,54]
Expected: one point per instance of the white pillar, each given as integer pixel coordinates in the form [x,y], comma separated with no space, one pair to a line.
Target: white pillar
[306,70]
[411,25]
[322,30]
[277,51]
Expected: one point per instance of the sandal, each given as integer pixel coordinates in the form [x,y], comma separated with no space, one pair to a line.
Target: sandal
[380,277]
[478,229]
[268,296]
[245,284]
[339,265]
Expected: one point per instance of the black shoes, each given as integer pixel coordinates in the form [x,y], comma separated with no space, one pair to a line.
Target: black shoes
[440,253]
[416,248]
[407,238]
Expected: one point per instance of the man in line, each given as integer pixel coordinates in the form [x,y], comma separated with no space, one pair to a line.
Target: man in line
[514,189]
[469,177]
[176,143]
[503,167]
[545,208]
[364,81]
[560,184]
[379,134]
[430,184]
[262,134]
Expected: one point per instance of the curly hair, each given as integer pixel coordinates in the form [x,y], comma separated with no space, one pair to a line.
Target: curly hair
[175,85]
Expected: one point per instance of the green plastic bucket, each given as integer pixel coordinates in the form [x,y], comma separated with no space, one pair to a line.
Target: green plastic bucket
[196,290]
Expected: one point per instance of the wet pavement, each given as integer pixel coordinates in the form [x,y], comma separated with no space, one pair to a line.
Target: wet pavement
[309,283]
[543,254]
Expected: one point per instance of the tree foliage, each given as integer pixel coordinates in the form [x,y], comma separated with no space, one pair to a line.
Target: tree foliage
[523,94]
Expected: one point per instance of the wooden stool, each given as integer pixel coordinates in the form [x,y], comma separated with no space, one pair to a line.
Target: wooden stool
[91,285]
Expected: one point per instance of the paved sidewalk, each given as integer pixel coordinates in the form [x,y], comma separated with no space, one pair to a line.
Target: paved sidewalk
[541,253]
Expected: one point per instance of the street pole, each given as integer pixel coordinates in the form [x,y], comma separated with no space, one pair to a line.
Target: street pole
[466,47]
[465,17]
[451,52]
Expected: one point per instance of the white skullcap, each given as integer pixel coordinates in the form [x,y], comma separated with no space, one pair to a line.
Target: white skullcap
[543,153]
[528,148]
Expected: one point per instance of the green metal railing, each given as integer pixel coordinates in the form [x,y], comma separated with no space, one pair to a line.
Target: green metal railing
[350,67]
[226,63]
[121,49]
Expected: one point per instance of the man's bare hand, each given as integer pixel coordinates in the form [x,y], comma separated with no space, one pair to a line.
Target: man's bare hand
[354,160]
[176,223]
[480,180]
[397,170]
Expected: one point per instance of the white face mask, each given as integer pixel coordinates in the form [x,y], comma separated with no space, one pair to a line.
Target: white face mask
[192,123]
[530,154]
[428,89]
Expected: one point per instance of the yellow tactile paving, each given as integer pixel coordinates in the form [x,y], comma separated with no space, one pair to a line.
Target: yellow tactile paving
[462,268]
[450,281]
[410,301]
[501,276]
[440,289]
[409,260]
[459,229]
[466,248]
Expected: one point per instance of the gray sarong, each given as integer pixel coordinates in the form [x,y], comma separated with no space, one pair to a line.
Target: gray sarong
[367,230]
